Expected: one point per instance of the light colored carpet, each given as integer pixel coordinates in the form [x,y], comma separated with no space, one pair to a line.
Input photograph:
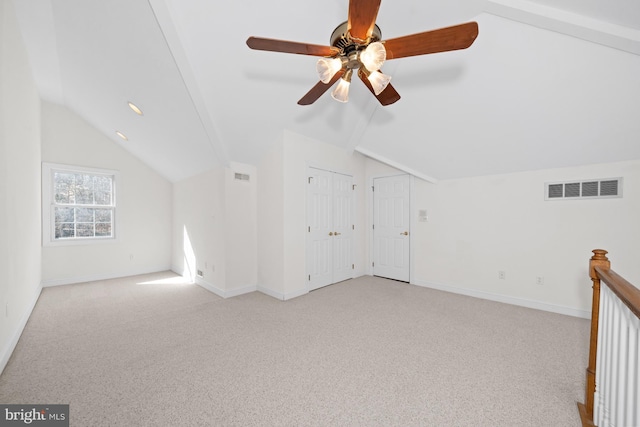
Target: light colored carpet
[152,350]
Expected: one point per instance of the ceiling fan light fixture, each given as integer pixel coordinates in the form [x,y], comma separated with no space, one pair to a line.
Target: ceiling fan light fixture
[379,81]
[341,92]
[373,56]
[327,68]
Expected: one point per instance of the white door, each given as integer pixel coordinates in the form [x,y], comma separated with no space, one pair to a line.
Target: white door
[342,227]
[391,218]
[330,228]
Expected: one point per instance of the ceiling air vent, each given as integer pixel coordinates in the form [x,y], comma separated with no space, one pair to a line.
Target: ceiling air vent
[242,176]
[589,189]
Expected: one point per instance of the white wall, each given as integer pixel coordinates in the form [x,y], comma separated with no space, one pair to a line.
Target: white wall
[198,228]
[270,221]
[479,226]
[241,228]
[143,205]
[215,230]
[20,253]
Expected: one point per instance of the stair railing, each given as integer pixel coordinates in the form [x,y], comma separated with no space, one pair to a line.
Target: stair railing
[612,395]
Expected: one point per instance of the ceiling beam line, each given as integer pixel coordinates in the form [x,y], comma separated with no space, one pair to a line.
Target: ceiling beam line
[394,164]
[165,23]
[568,23]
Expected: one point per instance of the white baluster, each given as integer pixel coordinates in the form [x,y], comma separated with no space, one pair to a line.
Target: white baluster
[632,417]
[620,364]
[598,395]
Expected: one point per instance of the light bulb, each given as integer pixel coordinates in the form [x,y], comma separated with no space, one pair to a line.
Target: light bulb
[379,81]
[373,56]
[327,68]
[341,92]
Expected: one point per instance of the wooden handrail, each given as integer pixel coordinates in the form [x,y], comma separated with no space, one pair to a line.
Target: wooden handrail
[600,270]
[628,294]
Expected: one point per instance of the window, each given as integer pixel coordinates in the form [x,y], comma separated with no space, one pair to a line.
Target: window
[79,204]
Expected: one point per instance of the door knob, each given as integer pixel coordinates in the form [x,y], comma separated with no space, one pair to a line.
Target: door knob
[406,233]
[336,233]
[331,233]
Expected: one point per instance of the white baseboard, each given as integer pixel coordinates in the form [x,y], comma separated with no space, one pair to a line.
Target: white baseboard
[295,294]
[222,293]
[280,295]
[240,291]
[271,293]
[7,351]
[210,287]
[537,305]
[103,276]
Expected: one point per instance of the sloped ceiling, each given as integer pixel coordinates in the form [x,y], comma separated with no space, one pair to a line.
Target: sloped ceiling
[546,84]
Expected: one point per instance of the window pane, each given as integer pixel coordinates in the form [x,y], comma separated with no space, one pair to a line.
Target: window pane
[64,215]
[63,187]
[103,215]
[103,230]
[85,230]
[84,189]
[84,215]
[64,231]
[103,190]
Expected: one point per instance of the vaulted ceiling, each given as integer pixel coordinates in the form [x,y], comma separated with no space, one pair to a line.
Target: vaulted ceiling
[548,83]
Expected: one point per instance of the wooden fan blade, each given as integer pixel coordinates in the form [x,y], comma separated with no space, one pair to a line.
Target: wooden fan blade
[442,40]
[319,89]
[362,18]
[272,45]
[387,97]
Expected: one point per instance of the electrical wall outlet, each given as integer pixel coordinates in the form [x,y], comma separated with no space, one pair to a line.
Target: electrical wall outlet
[502,275]
[200,273]
[539,280]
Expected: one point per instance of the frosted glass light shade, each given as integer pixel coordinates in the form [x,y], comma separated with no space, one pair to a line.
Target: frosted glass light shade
[373,56]
[327,68]
[379,81]
[341,92]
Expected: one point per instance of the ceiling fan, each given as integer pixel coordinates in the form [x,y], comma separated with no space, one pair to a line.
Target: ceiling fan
[357,47]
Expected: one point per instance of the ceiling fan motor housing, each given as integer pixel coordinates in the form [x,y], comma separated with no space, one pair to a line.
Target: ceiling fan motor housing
[341,39]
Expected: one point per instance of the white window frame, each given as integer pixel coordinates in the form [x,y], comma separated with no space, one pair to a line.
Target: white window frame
[49,205]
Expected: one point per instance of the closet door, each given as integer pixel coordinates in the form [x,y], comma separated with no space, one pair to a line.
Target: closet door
[342,227]
[330,228]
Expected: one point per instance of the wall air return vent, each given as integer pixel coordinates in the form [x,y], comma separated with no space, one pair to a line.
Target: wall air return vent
[242,177]
[589,189]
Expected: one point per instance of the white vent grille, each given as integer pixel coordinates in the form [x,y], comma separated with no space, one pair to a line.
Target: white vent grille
[242,176]
[589,189]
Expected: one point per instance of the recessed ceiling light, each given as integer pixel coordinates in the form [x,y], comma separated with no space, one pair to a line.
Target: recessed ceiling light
[135,108]
[122,135]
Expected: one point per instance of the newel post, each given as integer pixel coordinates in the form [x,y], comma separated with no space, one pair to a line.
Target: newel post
[599,259]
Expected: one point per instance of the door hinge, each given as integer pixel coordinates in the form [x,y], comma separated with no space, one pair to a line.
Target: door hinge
[309,229]
[353,187]
[353,266]
[373,264]
[373,188]
[310,178]
[373,226]
[353,227]
[309,277]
